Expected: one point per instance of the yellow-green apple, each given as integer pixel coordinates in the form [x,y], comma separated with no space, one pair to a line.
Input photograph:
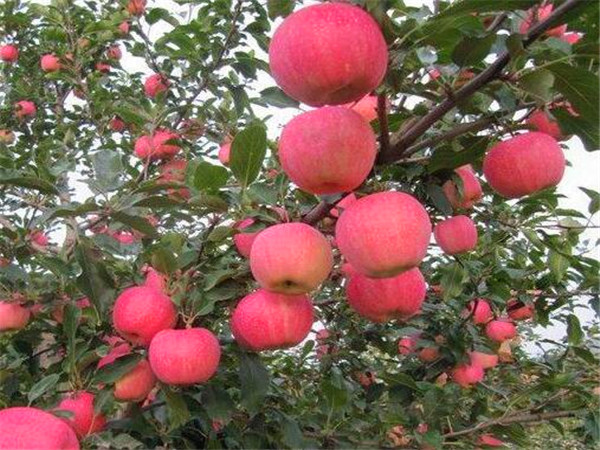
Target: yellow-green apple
[83,419]
[50,63]
[9,53]
[524,164]
[466,375]
[384,234]
[24,428]
[136,7]
[456,235]
[539,14]
[485,360]
[140,312]
[517,310]
[13,316]
[155,84]
[328,150]
[24,109]
[328,54]
[290,258]
[266,320]
[225,153]
[500,330]
[243,240]
[480,310]
[384,299]
[469,193]
[184,357]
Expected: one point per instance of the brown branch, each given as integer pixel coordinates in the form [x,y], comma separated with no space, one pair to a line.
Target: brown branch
[317,213]
[384,133]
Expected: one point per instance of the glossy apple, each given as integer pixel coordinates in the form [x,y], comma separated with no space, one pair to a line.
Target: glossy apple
[571,38]
[83,420]
[542,122]
[13,316]
[243,240]
[50,63]
[155,84]
[157,146]
[456,235]
[500,330]
[470,192]
[366,107]
[342,205]
[9,53]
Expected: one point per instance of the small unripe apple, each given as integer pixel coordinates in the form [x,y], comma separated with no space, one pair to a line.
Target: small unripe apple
[24,428]
[383,299]
[481,311]
[484,360]
[116,124]
[7,137]
[542,13]
[13,316]
[429,354]
[266,320]
[290,258]
[224,153]
[136,7]
[140,312]
[517,310]
[456,235]
[470,193]
[83,420]
[9,53]
[408,344]
[50,63]
[124,27]
[328,54]
[155,84]
[500,330]
[243,241]
[114,52]
[466,375]
[174,172]
[384,234]
[24,109]
[524,164]
[328,150]
[184,357]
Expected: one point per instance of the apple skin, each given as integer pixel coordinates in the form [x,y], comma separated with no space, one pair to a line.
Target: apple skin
[328,54]
[328,150]
[103,67]
[225,153]
[500,330]
[9,53]
[485,360]
[290,258]
[384,234]
[366,107]
[524,164]
[466,375]
[25,109]
[517,310]
[384,299]
[342,205]
[140,312]
[155,84]
[489,440]
[542,14]
[184,357]
[571,38]
[39,238]
[471,189]
[155,279]
[23,428]
[136,7]
[243,241]
[83,420]
[456,235]
[116,124]
[483,311]
[13,316]
[266,320]
[542,122]
[50,63]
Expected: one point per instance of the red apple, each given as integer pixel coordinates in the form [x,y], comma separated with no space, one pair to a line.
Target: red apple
[124,237]
[408,344]
[342,205]
[481,311]
[484,360]
[124,27]
[290,258]
[50,63]
[571,38]
[224,153]
[155,84]
[13,316]
[155,279]
[541,13]
[140,312]
[9,53]
[243,241]
[488,440]
[184,357]
[328,54]
[383,299]
[39,238]
[116,124]
[429,354]
[524,164]
[542,122]
[456,235]
[114,52]
[24,109]
[470,192]
[7,137]
[500,330]
[157,146]
[328,150]
[384,234]
[517,310]
[466,375]
[266,320]
[83,421]
[136,7]
[366,107]
[174,172]
[23,428]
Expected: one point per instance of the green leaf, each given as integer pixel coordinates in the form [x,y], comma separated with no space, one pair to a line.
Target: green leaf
[453,280]
[280,8]
[136,222]
[30,182]
[580,88]
[156,201]
[42,386]
[538,83]
[94,281]
[108,169]
[254,381]
[217,403]
[209,177]
[574,332]
[70,322]
[163,260]
[276,97]
[482,6]
[156,14]
[437,196]
[594,196]
[248,151]
[558,265]
[177,409]
[210,202]
[471,50]
[121,366]
[587,131]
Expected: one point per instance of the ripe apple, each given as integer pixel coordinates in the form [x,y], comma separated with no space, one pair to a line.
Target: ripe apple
[456,235]
[266,320]
[224,153]
[484,360]
[114,52]
[500,330]
[83,421]
[384,234]
[542,122]
[155,279]
[328,150]
[7,137]
[542,13]
[136,7]
[524,164]
[116,124]
[384,299]
[24,109]
[328,54]
[50,63]
[366,107]
[481,311]
[155,84]
[408,344]
[429,354]
[124,27]
[517,310]
[157,146]
[24,428]
[184,357]
[174,172]
[488,440]
[140,312]
[470,192]
[342,205]
[9,53]
[123,237]
[13,316]
[466,375]
[290,258]
[571,38]
[243,241]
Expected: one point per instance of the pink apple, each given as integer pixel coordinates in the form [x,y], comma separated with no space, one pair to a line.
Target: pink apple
[266,320]
[456,235]
[124,27]
[9,53]
[470,193]
[124,237]
[50,63]
[155,84]
[484,360]
[184,357]
[481,311]
[174,172]
[83,420]
[290,258]
[542,122]
[23,428]
[224,153]
[7,137]
[328,150]
[366,107]
[24,109]
[39,238]
[500,330]
[541,13]
[155,279]
[384,299]
[571,38]
[408,344]
[136,7]
[384,234]
[524,164]
[342,205]
[243,241]
[157,146]
[488,440]
[429,354]
[140,312]
[114,52]
[328,54]
[466,375]
[517,310]
[13,316]
[116,124]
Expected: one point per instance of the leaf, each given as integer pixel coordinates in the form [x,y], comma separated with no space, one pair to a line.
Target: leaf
[70,321]
[594,196]
[558,265]
[276,97]
[210,202]
[437,196]
[480,6]
[217,403]
[248,151]
[42,386]
[112,372]
[177,409]
[452,281]
[538,83]
[136,222]
[209,177]
[280,8]
[580,88]
[108,169]
[94,281]
[163,260]
[32,183]
[156,201]
[254,381]
[471,51]
[587,131]
[574,332]
[156,14]
[291,434]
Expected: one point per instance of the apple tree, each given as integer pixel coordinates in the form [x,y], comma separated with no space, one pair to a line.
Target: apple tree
[287,224]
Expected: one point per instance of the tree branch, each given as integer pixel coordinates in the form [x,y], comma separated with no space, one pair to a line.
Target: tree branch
[384,133]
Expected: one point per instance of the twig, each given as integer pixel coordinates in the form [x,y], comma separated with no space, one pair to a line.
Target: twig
[384,133]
